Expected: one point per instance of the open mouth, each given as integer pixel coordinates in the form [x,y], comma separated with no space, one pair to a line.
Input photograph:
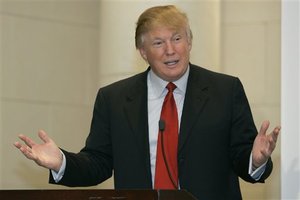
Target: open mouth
[171,63]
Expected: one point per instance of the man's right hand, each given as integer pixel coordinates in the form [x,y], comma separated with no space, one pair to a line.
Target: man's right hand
[46,154]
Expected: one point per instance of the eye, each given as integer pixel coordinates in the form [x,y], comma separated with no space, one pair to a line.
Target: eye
[177,38]
[157,43]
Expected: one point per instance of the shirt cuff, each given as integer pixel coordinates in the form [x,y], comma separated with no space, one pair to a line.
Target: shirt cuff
[57,176]
[257,173]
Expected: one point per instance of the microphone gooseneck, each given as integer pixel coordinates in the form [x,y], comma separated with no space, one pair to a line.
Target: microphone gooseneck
[161,126]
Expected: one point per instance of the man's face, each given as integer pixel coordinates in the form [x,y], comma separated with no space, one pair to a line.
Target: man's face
[167,51]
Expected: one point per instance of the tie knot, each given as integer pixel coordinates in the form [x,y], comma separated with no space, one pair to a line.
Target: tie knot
[171,86]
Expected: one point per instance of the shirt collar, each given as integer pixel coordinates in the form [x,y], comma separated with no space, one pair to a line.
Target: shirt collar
[159,85]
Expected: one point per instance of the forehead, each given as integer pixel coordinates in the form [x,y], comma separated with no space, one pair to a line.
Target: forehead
[163,32]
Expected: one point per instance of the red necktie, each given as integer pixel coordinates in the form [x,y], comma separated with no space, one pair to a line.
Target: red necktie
[166,174]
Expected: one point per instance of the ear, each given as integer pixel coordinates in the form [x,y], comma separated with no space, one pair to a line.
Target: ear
[190,44]
[143,53]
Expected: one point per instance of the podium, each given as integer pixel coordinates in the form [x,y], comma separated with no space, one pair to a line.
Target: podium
[93,194]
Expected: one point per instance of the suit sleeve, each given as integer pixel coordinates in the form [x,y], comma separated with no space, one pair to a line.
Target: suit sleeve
[243,133]
[93,164]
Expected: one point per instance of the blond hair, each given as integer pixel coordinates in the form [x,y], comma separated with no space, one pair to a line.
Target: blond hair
[168,16]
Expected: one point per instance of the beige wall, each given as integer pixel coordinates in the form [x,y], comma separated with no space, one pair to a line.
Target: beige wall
[56,54]
[49,64]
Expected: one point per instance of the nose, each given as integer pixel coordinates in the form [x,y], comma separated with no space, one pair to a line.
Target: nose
[169,48]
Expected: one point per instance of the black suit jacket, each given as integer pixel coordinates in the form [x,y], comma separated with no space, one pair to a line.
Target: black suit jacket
[215,140]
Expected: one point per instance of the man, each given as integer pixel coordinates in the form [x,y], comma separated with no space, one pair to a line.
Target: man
[217,141]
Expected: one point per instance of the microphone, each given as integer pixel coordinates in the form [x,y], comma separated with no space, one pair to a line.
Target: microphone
[161,126]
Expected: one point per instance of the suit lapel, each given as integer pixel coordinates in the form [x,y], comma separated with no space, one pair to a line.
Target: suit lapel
[195,99]
[135,109]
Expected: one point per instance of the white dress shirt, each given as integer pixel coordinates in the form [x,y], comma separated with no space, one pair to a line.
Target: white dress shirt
[156,94]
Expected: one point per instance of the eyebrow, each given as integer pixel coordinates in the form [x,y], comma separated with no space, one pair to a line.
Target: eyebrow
[173,35]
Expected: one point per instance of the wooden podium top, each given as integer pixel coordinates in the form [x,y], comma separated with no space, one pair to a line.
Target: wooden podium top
[94,194]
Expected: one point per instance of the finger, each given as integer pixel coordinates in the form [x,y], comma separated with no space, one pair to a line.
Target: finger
[17,144]
[26,150]
[272,140]
[272,144]
[275,133]
[43,135]
[264,127]
[27,140]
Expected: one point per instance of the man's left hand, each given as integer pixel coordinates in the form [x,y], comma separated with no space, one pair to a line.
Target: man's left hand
[264,144]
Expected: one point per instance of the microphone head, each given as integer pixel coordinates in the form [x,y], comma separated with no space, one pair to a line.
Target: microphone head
[161,125]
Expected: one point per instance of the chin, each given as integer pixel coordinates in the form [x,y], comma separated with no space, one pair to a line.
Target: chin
[172,78]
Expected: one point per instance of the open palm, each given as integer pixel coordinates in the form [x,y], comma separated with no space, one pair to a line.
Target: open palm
[46,154]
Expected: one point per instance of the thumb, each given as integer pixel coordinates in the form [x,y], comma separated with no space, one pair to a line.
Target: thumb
[264,127]
[43,135]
